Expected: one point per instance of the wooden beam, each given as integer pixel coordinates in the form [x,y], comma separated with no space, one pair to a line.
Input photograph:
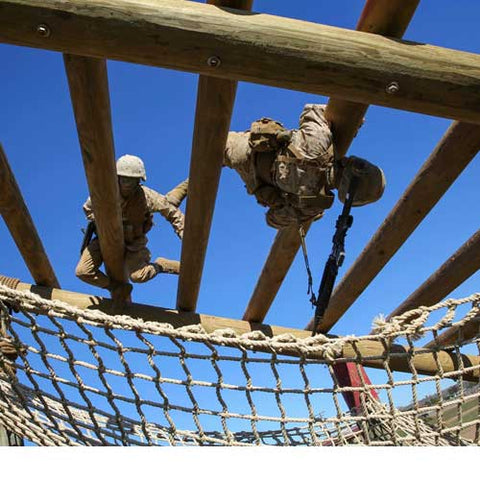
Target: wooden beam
[384,17]
[460,266]
[88,82]
[457,148]
[370,353]
[389,18]
[215,100]
[452,335]
[279,260]
[255,48]
[20,224]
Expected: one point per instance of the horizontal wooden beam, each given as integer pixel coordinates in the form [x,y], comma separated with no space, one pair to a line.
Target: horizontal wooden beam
[88,82]
[383,17]
[460,266]
[457,148]
[258,48]
[370,353]
[20,224]
[215,100]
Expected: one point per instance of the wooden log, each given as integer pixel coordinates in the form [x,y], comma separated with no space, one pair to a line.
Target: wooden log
[371,353]
[279,260]
[88,82]
[215,99]
[457,148]
[255,48]
[384,17]
[456,334]
[389,18]
[460,266]
[20,224]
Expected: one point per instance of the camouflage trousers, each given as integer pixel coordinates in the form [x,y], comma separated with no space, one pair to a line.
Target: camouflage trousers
[138,267]
[137,264]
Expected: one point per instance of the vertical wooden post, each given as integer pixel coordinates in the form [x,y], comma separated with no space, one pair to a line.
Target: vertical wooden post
[383,17]
[215,99]
[88,82]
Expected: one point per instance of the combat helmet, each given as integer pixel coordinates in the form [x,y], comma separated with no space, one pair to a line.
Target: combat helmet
[131,166]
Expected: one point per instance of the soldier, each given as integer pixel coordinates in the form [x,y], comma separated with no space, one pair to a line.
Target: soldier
[293,172]
[138,205]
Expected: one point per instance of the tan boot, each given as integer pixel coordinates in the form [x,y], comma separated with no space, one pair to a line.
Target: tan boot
[164,265]
[177,194]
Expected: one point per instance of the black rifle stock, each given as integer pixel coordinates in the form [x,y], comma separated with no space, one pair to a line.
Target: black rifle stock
[88,235]
[336,257]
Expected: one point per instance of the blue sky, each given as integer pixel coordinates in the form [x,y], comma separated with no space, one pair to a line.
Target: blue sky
[153,113]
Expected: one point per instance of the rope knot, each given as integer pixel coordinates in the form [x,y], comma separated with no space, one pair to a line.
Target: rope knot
[255,335]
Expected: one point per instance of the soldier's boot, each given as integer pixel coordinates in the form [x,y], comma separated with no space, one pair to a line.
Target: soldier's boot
[177,194]
[164,265]
[371,183]
[121,295]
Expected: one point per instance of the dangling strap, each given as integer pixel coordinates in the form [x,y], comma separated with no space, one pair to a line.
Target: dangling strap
[313,298]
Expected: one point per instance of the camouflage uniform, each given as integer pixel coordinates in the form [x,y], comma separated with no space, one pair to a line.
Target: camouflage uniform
[137,213]
[295,176]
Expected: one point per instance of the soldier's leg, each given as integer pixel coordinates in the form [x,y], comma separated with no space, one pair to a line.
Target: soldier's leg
[237,150]
[88,268]
[142,270]
[139,267]
[177,194]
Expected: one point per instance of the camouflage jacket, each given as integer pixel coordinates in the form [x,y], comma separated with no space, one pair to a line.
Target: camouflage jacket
[137,215]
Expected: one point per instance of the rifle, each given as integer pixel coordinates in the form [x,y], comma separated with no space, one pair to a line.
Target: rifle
[336,257]
[88,234]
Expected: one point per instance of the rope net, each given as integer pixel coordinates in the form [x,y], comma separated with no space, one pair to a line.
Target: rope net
[82,377]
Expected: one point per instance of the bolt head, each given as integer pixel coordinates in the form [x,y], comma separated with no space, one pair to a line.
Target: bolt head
[392,88]
[43,30]
[214,62]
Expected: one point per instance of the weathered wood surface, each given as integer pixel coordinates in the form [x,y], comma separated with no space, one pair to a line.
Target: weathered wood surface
[88,82]
[460,266]
[384,17]
[372,352]
[20,224]
[256,48]
[215,100]
[389,18]
[456,149]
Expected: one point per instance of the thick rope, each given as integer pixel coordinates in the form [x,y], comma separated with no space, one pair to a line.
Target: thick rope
[85,377]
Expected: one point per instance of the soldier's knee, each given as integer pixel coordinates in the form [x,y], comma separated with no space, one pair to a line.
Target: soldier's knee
[81,272]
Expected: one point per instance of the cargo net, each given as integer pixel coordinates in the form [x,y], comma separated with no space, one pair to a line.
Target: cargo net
[80,377]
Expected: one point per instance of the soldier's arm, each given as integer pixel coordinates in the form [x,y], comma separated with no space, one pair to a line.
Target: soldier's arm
[88,210]
[156,202]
